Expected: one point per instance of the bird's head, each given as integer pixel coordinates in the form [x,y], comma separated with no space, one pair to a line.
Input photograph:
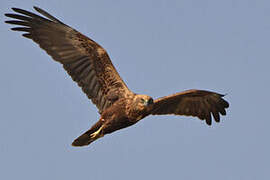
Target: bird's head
[143,102]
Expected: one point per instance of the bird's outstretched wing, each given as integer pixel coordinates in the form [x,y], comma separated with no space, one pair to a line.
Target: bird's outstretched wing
[85,61]
[197,103]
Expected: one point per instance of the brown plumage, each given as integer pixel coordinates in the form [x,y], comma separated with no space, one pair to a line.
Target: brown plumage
[90,66]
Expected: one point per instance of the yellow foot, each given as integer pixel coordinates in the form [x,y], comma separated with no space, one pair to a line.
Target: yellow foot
[97,134]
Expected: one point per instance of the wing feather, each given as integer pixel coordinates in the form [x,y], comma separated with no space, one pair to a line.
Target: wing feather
[85,61]
[198,103]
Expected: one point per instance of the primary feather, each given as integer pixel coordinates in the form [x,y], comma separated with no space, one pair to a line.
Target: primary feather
[85,61]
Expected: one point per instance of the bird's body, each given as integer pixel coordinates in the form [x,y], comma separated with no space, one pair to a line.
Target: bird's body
[118,116]
[90,66]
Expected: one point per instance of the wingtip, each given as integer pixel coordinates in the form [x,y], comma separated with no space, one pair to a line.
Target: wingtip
[16,9]
[36,8]
[27,35]
[208,121]
[41,11]
[8,22]
[10,15]
[16,29]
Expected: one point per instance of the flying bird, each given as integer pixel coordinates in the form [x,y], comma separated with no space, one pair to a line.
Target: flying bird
[90,66]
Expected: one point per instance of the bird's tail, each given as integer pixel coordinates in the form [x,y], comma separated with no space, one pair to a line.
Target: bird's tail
[88,137]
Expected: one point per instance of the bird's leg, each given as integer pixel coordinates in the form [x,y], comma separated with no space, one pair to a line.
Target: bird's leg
[97,134]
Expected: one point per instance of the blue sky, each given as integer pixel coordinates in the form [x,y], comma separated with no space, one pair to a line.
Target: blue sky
[159,48]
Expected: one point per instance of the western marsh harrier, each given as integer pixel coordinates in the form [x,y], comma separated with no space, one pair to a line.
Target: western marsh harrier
[90,66]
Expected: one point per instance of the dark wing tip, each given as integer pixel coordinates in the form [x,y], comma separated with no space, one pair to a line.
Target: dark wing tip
[8,22]
[39,9]
[21,29]
[9,15]
[208,121]
[27,35]
[221,107]
[216,116]
[18,10]
[15,9]
[224,103]
[36,8]
[46,14]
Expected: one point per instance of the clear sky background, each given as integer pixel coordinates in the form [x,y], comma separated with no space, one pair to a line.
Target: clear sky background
[159,48]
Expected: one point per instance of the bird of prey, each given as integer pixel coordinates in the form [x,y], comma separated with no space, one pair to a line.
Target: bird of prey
[90,66]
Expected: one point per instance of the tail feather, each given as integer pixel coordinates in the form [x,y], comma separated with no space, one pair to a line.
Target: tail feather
[88,137]
[84,140]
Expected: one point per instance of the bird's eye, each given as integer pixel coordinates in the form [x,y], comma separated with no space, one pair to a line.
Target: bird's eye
[150,101]
[142,100]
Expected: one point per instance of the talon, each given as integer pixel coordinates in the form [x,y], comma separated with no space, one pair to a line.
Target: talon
[93,135]
[97,134]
